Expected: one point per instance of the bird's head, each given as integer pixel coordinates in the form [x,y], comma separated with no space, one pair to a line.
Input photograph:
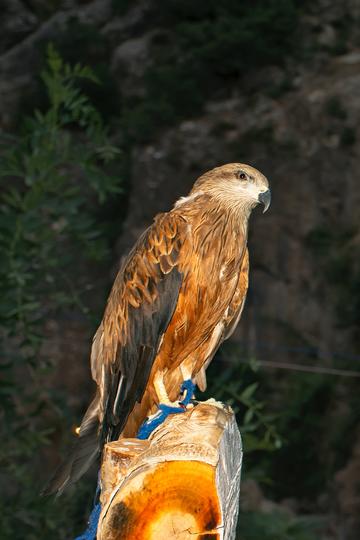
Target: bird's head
[237,185]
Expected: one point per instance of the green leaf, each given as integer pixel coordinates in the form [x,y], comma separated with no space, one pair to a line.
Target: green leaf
[248,416]
[248,392]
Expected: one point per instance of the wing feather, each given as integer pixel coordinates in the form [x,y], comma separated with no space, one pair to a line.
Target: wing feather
[140,307]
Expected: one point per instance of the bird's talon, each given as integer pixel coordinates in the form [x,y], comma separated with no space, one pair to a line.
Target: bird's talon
[187,386]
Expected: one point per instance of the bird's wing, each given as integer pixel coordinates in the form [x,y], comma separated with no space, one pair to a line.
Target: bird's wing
[139,309]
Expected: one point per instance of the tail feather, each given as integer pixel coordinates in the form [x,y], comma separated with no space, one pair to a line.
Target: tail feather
[81,456]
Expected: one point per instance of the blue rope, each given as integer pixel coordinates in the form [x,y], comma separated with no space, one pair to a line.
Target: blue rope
[189,387]
[90,533]
[144,432]
[148,427]
[165,410]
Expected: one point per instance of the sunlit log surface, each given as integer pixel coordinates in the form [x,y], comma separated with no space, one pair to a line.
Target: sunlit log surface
[183,483]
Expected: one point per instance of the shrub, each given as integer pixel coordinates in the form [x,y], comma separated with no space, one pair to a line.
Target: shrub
[209,47]
[54,176]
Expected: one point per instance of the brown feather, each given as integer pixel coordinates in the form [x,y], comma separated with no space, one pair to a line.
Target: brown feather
[178,295]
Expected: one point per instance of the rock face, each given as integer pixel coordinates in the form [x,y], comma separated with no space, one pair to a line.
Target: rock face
[20,59]
[17,22]
[297,141]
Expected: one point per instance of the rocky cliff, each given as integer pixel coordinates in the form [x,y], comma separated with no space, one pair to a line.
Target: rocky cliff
[298,123]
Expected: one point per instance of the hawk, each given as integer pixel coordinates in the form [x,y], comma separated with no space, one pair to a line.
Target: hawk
[177,296]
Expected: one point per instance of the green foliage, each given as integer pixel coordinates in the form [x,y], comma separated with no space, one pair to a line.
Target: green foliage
[348,136]
[54,176]
[120,7]
[237,385]
[277,525]
[74,42]
[319,240]
[335,108]
[81,40]
[282,443]
[43,9]
[205,47]
[282,424]
[344,27]
[338,254]
[298,468]
[317,434]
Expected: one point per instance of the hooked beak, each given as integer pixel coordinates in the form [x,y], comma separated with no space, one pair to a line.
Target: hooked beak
[265,199]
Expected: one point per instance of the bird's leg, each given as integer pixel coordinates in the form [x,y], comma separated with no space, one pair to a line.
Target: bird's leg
[166,406]
[161,391]
[187,388]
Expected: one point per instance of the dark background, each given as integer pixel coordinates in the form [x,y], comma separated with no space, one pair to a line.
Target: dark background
[184,86]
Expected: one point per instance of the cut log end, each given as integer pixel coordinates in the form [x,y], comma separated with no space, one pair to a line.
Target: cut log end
[183,483]
[172,500]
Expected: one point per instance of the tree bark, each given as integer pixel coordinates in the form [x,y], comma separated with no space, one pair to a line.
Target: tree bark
[182,483]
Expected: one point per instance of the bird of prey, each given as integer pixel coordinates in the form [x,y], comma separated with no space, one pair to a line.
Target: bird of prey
[178,295]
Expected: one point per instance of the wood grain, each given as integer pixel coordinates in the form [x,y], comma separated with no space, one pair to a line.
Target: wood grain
[183,483]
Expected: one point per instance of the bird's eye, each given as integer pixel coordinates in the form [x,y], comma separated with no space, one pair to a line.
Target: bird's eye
[241,175]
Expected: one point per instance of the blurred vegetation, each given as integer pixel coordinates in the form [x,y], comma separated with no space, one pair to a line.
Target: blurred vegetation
[277,417]
[338,254]
[54,176]
[295,437]
[81,40]
[277,525]
[237,385]
[204,48]
[199,50]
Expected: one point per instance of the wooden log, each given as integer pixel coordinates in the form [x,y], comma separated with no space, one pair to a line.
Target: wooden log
[183,483]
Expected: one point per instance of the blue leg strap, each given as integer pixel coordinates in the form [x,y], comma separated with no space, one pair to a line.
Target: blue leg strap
[165,410]
[90,533]
[189,387]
